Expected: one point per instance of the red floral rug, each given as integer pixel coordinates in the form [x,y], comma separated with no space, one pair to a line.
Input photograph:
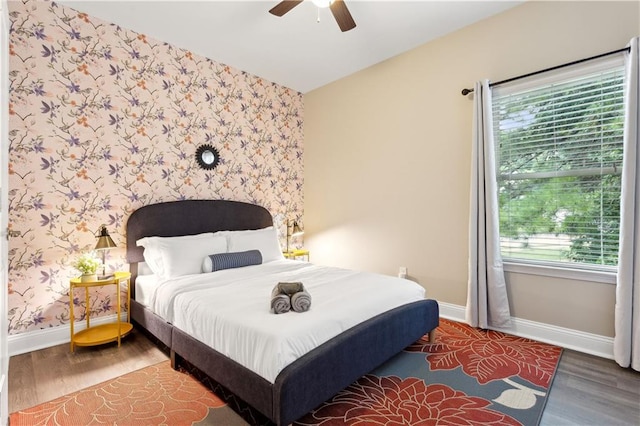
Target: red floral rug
[467,377]
[155,395]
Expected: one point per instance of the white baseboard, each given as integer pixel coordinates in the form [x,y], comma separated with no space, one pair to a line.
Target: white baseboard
[44,338]
[581,341]
[593,344]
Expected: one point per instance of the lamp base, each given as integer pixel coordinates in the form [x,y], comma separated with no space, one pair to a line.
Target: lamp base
[105,277]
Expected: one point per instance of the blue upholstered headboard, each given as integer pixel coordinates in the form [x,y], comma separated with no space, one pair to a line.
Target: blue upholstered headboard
[191,217]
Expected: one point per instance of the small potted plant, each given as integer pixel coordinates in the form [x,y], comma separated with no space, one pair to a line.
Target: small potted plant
[87,264]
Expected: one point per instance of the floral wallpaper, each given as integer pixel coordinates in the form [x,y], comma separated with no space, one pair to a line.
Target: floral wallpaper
[102,121]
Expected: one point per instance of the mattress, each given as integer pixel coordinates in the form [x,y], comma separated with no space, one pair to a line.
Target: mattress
[145,287]
[229,310]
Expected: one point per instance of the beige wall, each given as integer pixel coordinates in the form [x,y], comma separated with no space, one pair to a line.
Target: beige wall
[387,155]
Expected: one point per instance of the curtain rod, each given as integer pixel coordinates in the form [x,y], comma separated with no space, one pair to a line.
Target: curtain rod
[465,91]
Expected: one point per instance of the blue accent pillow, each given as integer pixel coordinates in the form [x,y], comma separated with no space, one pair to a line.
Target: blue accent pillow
[236,259]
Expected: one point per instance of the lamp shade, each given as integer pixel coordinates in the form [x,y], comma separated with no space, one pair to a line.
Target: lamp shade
[104,239]
[296,230]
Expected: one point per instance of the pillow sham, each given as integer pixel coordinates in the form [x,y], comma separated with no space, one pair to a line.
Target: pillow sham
[176,256]
[184,258]
[265,240]
[220,261]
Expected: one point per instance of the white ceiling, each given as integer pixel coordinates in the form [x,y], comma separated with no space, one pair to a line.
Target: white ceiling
[293,50]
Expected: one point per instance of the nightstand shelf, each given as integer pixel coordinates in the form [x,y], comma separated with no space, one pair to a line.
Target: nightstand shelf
[99,334]
[103,333]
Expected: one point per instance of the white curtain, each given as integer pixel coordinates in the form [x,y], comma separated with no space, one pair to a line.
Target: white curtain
[626,345]
[487,302]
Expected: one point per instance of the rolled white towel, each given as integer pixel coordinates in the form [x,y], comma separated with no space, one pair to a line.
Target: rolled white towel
[280,303]
[301,301]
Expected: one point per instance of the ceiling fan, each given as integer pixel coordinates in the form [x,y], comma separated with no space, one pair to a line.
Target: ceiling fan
[338,9]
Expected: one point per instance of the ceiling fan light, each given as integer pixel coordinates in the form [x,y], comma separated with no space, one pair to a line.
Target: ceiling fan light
[322,3]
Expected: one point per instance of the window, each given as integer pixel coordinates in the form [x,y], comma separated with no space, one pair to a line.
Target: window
[559,158]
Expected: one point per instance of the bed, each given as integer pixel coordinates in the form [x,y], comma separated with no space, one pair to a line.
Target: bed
[301,385]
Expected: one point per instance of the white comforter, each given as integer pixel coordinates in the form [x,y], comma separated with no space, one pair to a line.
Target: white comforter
[229,310]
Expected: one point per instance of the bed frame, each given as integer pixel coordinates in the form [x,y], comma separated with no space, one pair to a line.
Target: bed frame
[310,380]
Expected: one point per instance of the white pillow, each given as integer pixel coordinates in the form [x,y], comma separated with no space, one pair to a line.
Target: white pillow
[175,256]
[265,240]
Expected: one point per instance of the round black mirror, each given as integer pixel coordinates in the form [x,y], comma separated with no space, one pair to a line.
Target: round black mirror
[207,157]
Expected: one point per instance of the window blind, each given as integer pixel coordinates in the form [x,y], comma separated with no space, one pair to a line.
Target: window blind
[559,159]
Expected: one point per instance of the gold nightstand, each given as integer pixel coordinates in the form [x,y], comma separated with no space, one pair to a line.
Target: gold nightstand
[294,254]
[103,333]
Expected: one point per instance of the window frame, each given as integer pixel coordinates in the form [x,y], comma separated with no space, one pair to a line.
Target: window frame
[576,271]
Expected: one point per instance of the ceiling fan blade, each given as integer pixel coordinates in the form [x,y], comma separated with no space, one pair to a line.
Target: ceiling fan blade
[343,17]
[284,6]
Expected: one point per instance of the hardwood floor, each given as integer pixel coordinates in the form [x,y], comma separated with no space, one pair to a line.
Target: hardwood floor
[43,375]
[587,390]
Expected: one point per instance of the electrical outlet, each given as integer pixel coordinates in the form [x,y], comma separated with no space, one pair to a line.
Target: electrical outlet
[402,273]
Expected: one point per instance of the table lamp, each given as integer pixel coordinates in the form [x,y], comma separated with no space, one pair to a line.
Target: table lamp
[104,243]
[295,231]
